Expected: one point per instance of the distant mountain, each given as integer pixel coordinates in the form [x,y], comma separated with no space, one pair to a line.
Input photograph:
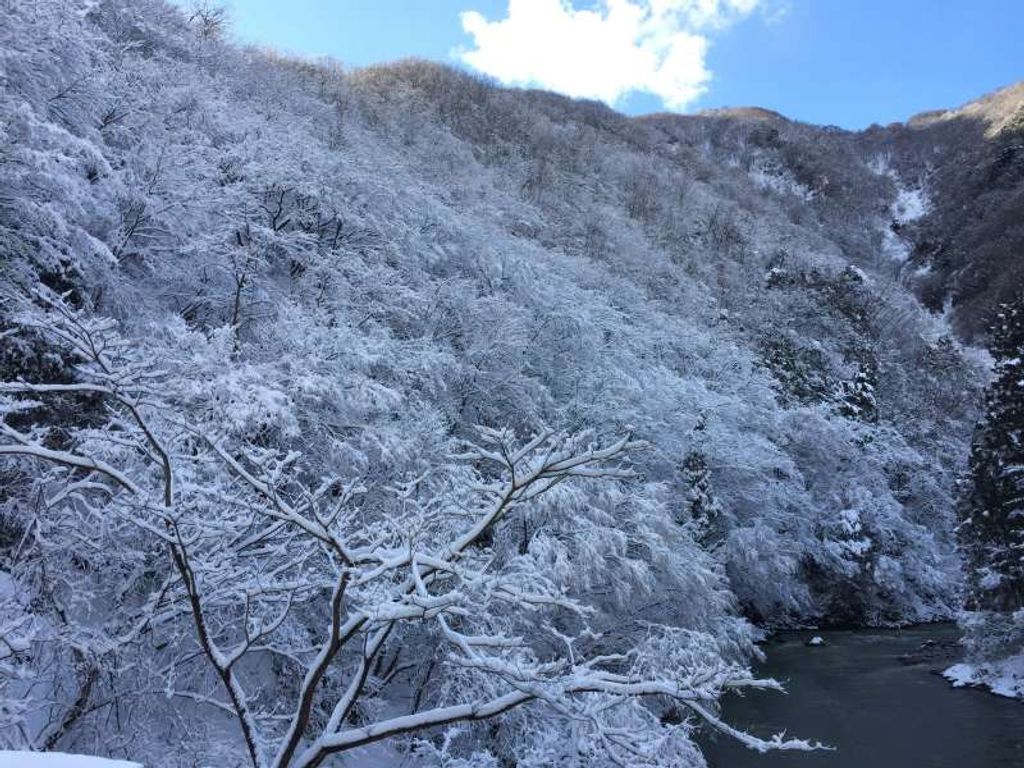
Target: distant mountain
[743,113]
[1002,110]
[966,248]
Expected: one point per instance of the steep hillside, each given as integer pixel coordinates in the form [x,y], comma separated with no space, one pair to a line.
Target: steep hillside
[966,248]
[248,299]
[954,232]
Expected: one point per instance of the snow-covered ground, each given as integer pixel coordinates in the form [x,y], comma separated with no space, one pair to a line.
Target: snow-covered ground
[911,204]
[58,760]
[769,176]
[1004,677]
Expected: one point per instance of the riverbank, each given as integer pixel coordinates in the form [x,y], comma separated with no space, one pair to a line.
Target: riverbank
[1003,677]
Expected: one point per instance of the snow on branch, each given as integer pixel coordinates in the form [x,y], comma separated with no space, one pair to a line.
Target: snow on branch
[266,559]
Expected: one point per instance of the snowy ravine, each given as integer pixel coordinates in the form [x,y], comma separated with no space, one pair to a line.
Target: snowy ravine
[909,205]
[347,413]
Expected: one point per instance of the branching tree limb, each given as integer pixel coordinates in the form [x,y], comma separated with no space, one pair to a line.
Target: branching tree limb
[250,541]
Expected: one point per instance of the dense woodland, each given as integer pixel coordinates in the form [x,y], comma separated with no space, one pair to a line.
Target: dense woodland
[385,413]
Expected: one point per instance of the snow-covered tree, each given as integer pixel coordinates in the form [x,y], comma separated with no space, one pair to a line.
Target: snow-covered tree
[992,505]
[702,514]
[336,275]
[257,550]
[856,398]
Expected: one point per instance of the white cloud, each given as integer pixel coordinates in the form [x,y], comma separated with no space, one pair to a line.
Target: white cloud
[607,51]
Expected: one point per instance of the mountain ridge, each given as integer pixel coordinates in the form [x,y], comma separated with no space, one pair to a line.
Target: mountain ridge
[1001,107]
[968,160]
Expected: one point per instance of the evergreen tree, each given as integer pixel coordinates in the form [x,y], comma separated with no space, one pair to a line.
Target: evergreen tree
[857,397]
[701,510]
[992,505]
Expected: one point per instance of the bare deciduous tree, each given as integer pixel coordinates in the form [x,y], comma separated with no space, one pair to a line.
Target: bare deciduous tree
[268,563]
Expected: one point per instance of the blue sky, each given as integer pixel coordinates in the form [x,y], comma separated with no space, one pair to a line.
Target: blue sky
[845,62]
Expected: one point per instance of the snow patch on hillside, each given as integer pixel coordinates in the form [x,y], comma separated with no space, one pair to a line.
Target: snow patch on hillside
[768,176]
[911,203]
[880,165]
[894,247]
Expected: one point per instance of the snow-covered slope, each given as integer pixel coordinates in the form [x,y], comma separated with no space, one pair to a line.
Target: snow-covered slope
[964,249]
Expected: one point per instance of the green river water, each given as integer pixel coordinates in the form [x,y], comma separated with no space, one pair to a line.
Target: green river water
[857,695]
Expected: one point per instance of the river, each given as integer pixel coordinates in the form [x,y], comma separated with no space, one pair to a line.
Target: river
[855,694]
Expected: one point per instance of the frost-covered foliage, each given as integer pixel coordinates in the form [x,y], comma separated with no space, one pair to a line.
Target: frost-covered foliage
[701,513]
[993,641]
[435,605]
[992,516]
[992,505]
[252,310]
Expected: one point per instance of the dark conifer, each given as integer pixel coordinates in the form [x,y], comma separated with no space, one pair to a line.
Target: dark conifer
[701,510]
[992,503]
